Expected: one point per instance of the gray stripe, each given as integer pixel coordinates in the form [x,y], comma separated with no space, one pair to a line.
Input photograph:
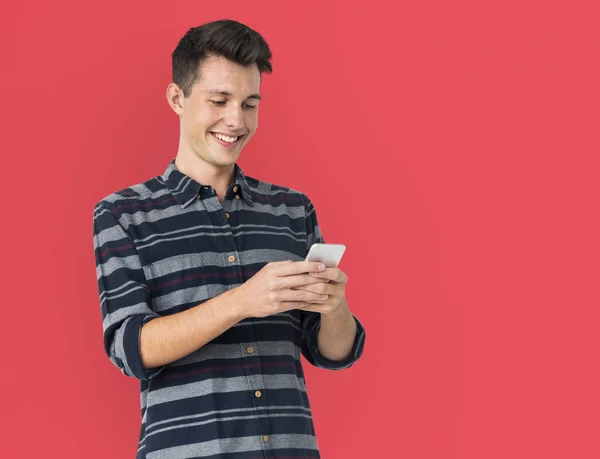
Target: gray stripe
[174,264]
[211,233]
[264,322]
[223,385]
[231,418]
[187,236]
[124,312]
[194,229]
[273,233]
[120,287]
[278,229]
[234,410]
[272,189]
[110,266]
[154,215]
[263,188]
[177,263]
[104,296]
[146,192]
[99,210]
[234,445]
[112,234]
[186,295]
[185,230]
[291,211]
[141,189]
[234,351]
[157,215]
[143,398]
[289,316]
[185,181]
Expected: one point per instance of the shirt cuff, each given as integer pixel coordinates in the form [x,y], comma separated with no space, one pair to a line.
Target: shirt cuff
[321,361]
[131,346]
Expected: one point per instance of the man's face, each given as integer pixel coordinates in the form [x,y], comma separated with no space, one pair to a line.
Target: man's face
[221,113]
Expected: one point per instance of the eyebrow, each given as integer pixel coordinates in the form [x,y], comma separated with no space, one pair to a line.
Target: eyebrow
[227,93]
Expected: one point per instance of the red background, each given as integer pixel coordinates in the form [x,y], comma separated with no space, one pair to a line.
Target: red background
[453,146]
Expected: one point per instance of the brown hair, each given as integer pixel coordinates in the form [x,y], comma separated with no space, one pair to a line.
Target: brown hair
[230,39]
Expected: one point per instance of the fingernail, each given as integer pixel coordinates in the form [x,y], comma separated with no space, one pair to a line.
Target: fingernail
[321,267]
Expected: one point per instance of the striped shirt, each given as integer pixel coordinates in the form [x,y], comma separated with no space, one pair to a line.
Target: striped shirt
[168,244]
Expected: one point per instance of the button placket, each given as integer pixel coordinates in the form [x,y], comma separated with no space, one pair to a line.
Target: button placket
[259,399]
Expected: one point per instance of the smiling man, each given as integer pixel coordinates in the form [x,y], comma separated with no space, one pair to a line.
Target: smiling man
[204,291]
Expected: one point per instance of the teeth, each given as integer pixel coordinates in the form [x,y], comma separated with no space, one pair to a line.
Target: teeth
[225,138]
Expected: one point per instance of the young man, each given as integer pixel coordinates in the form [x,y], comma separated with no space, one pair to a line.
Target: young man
[204,293]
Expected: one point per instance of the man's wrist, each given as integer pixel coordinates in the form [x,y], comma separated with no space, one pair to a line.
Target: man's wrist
[234,304]
[340,314]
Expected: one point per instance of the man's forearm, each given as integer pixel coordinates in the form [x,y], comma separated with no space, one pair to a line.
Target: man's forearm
[337,333]
[167,339]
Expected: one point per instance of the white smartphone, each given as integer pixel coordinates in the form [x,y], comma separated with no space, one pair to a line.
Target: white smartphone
[328,254]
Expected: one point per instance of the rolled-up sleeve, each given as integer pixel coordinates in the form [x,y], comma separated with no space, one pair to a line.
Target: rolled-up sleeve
[311,321]
[310,350]
[124,294]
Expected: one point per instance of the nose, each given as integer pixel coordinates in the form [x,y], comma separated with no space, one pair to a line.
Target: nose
[234,118]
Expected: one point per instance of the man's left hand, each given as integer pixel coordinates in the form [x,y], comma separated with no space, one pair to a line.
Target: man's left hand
[333,283]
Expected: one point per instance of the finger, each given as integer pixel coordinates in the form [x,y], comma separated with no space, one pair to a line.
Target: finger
[333,274]
[298,267]
[289,305]
[320,308]
[298,280]
[280,263]
[321,288]
[301,295]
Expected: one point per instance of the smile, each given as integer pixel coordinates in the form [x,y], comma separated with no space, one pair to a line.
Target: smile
[225,138]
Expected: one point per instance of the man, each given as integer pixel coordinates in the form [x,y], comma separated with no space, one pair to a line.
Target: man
[204,291]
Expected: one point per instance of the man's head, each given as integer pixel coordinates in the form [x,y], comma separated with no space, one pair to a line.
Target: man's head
[215,90]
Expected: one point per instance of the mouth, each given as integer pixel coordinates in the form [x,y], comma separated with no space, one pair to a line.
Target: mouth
[227,141]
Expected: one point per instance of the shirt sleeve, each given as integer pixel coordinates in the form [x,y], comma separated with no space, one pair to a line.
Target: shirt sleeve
[124,294]
[311,321]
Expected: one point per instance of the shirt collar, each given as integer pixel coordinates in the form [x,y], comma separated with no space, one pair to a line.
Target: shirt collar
[186,189]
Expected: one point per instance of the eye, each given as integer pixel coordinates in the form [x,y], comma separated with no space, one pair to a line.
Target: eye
[218,103]
[249,106]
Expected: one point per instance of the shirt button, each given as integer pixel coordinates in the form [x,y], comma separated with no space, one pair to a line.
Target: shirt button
[249,350]
[258,393]
[235,188]
[231,258]
[265,438]
[198,196]
[226,215]
[237,196]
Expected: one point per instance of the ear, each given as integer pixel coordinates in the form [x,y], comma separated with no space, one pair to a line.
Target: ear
[175,98]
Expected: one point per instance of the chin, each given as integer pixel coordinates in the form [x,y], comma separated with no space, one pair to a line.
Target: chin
[222,160]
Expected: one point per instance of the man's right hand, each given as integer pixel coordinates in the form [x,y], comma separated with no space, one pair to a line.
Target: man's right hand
[271,290]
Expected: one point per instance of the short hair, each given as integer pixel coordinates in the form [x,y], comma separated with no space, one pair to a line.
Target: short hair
[230,39]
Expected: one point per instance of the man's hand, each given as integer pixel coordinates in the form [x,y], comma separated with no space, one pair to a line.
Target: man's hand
[331,282]
[338,327]
[274,289]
